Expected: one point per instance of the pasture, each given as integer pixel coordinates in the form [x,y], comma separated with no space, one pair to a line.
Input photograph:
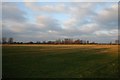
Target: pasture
[60,61]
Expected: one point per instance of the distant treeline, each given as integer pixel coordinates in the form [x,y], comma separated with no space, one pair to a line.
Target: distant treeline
[59,41]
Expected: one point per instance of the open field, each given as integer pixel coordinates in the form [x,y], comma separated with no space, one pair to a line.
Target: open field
[60,61]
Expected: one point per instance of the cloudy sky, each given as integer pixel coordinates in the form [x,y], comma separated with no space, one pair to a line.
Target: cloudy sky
[38,21]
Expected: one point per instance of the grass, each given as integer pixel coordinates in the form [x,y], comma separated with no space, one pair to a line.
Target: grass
[60,61]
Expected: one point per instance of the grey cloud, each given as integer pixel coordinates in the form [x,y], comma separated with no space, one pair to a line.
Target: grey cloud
[51,8]
[10,11]
[108,18]
[48,23]
[13,20]
[83,22]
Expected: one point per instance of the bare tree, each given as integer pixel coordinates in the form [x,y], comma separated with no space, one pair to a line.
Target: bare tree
[10,40]
[87,42]
[4,40]
[117,41]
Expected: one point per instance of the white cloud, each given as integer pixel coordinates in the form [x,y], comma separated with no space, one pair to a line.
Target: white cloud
[113,32]
[13,26]
[70,23]
[59,8]
[89,28]
[108,17]
[82,21]
[48,23]
[10,11]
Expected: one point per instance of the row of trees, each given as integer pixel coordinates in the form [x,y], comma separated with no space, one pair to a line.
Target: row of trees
[9,40]
[69,41]
[59,41]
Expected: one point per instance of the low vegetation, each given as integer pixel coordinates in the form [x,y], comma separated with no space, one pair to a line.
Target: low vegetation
[60,61]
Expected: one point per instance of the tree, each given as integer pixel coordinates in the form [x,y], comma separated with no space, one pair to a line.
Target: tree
[117,41]
[87,42]
[4,40]
[10,40]
[44,42]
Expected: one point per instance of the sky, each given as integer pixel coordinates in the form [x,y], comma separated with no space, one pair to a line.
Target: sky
[43,21]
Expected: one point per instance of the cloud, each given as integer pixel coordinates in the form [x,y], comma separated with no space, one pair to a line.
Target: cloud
[13,26]
[89,28]
[70,23]
[50,8]
[108,17]
[10,11]
[48,23]
[84,21]
[113,32]
[13,20]
[75,9]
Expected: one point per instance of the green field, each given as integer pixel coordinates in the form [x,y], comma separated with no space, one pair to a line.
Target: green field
[60,61]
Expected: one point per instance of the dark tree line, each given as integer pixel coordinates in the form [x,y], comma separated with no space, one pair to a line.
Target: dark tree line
[59,41]
[9,40]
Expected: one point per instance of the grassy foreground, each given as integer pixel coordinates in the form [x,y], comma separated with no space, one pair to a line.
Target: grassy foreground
[60,61]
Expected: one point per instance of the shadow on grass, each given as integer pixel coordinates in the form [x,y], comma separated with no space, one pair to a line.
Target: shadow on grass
[32,62]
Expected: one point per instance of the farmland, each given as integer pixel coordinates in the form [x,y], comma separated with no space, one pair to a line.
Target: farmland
[60,61]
